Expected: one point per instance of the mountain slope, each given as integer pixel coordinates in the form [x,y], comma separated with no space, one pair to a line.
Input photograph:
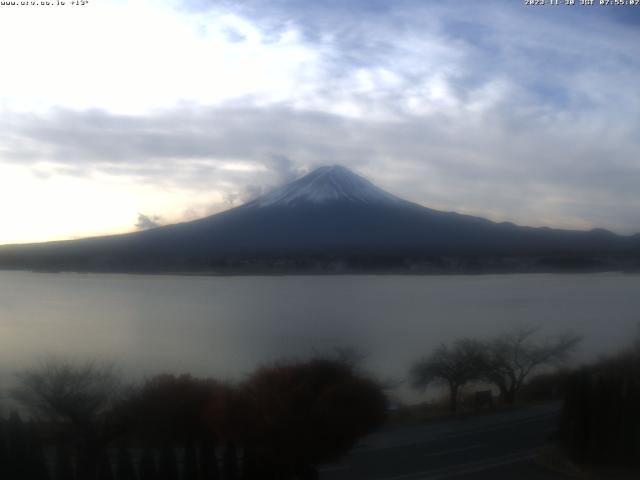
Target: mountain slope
[330,215]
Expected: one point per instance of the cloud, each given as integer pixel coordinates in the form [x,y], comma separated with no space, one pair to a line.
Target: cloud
[488,108]
[145,222]
[507,163]
[180,57]
[244,194]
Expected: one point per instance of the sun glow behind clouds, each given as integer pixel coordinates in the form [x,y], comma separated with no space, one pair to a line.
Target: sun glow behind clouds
[129,58]
[99,205]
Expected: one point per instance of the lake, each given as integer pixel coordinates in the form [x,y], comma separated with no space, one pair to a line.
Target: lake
[226,326]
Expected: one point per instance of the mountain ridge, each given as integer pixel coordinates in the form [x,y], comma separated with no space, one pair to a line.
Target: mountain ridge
[330,217]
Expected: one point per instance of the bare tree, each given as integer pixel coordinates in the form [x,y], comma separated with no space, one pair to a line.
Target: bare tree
[511,357]
[64,391]
[453,365]
[78,395]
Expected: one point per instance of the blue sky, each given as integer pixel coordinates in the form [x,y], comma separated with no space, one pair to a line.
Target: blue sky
[179,109]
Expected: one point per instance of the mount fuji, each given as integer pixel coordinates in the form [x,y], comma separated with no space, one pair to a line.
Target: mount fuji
[333,220]
[328,185]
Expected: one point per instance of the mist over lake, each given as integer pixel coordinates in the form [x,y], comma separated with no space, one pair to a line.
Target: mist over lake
[226,326]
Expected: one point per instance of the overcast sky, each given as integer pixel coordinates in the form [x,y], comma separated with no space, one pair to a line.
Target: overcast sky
[120,115]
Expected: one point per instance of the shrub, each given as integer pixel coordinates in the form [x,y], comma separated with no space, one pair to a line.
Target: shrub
[303,414]
[600,421]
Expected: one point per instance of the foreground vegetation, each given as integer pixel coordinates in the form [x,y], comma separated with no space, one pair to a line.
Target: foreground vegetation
[280,423]
[81,422]
[598,434]
[505,362]
[600,421]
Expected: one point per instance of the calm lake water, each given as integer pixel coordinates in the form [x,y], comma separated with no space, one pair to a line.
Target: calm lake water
[226,326]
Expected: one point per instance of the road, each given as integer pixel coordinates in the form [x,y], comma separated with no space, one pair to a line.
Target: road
[493,446]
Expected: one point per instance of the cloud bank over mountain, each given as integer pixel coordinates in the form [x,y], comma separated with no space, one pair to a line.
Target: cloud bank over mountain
[515,113]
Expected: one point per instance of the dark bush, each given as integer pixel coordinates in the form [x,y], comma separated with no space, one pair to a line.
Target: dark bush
[148,468]
[168,464]
[190,463]
[309,413]
[124,466]
[546,386]
[4,450]
[105,471]
[600,422]
[63,464]
[208,461]
[37,462]
[230,463]
[18,451]
[170,408]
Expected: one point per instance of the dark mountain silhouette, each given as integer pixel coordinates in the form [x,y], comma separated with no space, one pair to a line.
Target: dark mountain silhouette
[333,219]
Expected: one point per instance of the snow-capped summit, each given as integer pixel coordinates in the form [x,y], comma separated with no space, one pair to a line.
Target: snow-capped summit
[327,185]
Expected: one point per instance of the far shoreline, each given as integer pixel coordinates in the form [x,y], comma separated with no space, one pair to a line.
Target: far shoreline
[266,274]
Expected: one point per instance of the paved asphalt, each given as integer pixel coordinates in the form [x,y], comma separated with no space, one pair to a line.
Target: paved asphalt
[493,446]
